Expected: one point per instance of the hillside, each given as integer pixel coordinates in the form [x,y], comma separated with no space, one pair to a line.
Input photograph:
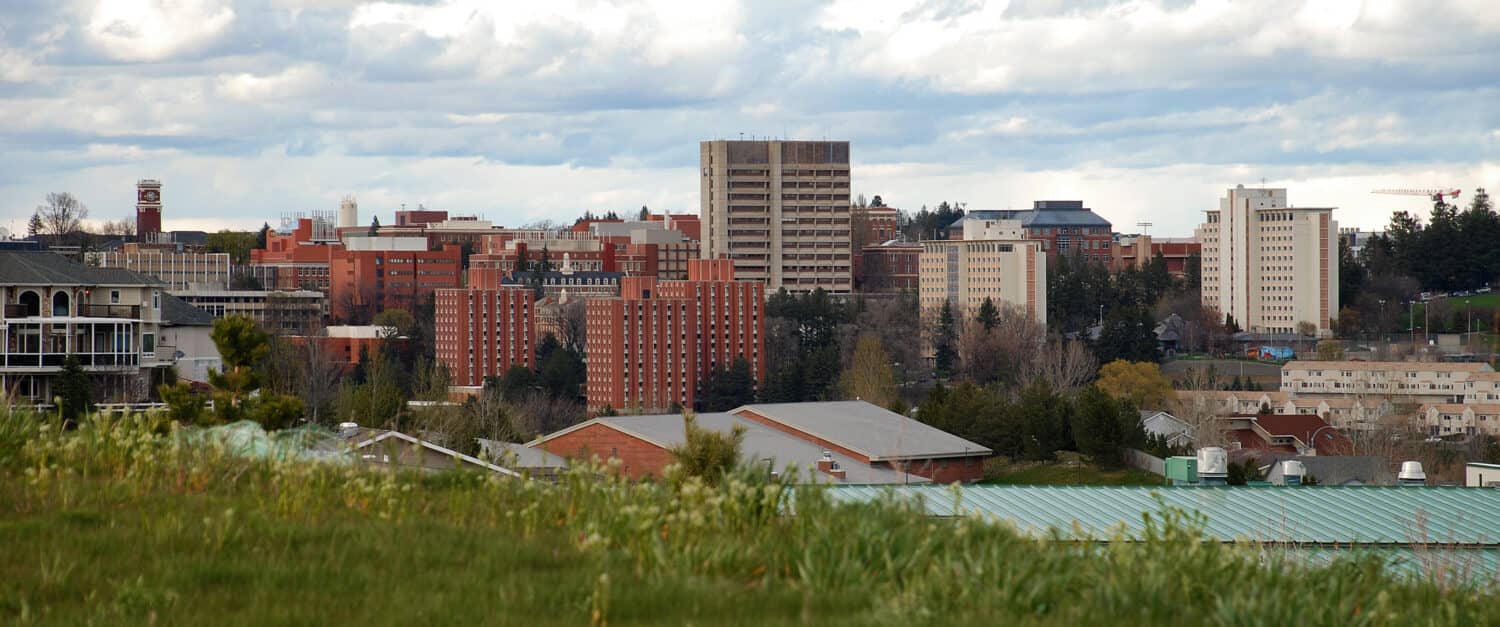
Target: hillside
[134,521]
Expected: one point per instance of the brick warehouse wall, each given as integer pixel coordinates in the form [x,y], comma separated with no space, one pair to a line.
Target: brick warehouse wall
[639,458]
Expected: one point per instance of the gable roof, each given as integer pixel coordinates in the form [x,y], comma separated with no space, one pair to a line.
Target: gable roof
[385,435]
[178,312]
[761,443]
[522,456]
[22,267]
[872,431]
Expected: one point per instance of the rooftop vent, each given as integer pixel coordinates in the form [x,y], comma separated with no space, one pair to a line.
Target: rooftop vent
[1292,472]
[1411,474]
[1213,466]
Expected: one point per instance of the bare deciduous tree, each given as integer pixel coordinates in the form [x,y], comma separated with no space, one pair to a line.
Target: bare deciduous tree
[61,214]
[567,319]
[117,227]
[1003,352]
[1066,366]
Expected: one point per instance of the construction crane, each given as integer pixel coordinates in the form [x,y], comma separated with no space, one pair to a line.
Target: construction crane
[1435,194]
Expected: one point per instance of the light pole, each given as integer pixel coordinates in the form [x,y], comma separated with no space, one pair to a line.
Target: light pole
[1313,441]
[1411,321]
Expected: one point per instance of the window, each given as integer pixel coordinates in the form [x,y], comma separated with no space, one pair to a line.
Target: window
[156,300]
[114,297]
[60,304]
[148,343]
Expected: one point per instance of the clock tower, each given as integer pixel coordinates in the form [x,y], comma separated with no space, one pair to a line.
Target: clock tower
[147,210]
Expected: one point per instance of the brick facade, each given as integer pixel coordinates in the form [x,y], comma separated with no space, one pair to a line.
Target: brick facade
[483,332]
[639,458]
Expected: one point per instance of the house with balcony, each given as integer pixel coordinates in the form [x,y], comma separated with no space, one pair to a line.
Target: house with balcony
[109,318]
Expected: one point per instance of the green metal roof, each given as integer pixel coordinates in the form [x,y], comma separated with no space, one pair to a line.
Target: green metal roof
[1311,515]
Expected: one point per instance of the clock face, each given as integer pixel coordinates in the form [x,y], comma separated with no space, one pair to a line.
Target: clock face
[150,195]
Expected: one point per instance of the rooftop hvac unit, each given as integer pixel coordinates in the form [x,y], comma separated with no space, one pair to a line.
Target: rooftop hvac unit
[1411,475]
[1292,472]
[1213,465]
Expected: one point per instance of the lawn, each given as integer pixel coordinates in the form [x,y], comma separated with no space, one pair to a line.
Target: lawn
[130,521]
[1068,474]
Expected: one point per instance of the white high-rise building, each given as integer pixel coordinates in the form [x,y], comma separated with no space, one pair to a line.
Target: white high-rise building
[1269,265]
[994,261]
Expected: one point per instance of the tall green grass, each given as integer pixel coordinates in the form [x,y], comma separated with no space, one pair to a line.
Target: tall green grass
[125,520]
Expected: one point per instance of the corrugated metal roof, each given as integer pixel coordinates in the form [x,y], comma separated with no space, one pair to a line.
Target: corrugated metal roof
[1307,515]
[761,443]
[870,430]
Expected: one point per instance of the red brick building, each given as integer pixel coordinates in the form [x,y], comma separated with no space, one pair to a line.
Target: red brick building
[890,267]
[1135,250]
[374,274]
[295,261]
[835,442]
[483,332]
[650,347]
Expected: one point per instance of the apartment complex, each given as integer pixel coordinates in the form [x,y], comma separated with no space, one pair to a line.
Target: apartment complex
[179,270]
[1269,265]
[780,211]
[650,347]
[483,332]
[1398,380]
[997,263]
[1064,227]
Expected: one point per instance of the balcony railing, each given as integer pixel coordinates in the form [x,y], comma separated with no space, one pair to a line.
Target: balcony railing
[110,311]
[55,360]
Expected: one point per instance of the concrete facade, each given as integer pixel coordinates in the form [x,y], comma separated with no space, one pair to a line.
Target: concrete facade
[1269,265]
[965,272]
[780,210]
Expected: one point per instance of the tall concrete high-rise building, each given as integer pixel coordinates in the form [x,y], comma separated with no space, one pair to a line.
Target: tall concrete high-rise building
[995,261]
[780,211]
[1270,265]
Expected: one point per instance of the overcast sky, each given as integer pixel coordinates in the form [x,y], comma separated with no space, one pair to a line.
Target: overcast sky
[521,111]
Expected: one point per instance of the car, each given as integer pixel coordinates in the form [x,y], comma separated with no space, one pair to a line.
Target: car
[1483,290]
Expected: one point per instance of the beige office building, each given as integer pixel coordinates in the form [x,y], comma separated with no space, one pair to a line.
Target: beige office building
[780,211]
[179,270]
[1000,265]
[1269,265]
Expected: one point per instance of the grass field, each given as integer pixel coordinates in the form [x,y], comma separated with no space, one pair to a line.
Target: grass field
[128,521]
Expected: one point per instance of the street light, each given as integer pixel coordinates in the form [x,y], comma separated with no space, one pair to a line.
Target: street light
[1313,441]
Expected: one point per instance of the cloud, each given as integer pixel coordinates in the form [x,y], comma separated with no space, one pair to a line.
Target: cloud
[1145,109]
[154,30]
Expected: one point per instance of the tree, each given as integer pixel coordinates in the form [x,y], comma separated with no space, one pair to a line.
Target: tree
[35,226]
[645,213]
[727,388]
[61,214]
[988,314]
[869,377]
[1103,426]
[945,335]
[1140,383]
[374,226]
[563,374]
[1128,334]
[237,244]
[262,235]
[183,405]
[75,395]
[242,344]
[705,453]
[400,321]
[1063,365]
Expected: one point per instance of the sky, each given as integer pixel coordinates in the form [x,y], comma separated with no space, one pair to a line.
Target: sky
[248,110]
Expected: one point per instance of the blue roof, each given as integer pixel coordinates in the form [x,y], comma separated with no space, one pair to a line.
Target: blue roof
[1314,515]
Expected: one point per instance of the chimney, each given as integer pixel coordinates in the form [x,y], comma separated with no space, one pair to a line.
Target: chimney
[827,465]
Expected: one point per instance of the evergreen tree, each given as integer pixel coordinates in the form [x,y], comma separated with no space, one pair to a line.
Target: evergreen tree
[75,394]
[1128,334]
[988,314]
[374,226]
[727,388]
[945,340]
